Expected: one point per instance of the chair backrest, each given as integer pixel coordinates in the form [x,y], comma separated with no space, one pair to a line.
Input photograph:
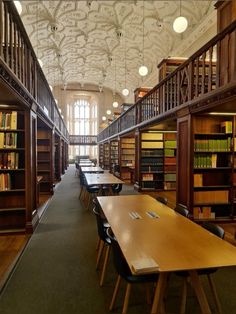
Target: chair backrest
[215,229]
[100,226]
[162,199]
[119,260]
[116,188]
[182,210]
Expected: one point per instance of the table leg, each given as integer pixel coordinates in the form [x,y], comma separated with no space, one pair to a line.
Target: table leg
[196,283]
[159,294]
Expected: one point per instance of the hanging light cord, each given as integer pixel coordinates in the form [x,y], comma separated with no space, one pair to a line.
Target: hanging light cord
[125,61]
[143,32]
[180,8]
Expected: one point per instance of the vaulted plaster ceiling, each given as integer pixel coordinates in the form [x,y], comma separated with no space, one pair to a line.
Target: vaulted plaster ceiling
[90,42]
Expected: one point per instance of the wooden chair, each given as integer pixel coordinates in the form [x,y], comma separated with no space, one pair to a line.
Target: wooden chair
[218,231]
[124,272]
[182,210]
[162,199]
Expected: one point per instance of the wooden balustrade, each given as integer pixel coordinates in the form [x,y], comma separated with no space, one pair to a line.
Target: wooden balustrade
[83,140]
[21,64]
[211,67]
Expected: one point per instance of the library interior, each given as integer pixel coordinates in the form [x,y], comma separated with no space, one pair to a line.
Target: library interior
[117,125]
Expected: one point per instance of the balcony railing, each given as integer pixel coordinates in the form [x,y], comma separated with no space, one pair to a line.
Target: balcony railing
[19,62]
[211,67]
[83,140]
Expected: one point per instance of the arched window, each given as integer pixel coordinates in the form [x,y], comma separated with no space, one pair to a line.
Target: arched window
[82,120]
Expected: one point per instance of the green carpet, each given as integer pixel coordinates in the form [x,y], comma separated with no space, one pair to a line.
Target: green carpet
[56,273]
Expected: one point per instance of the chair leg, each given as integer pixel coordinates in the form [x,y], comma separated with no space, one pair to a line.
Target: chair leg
[98,244]
[105,265]
[99,253]
[117,286]
[148,294]
[214,293]
[126,301]
[183,297]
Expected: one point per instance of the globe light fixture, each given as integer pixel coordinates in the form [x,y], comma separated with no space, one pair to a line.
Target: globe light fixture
[18,7]
[115,104]
[143,70]
[104,118]
[108,112]
[40,62]
[180,24]
[125,92]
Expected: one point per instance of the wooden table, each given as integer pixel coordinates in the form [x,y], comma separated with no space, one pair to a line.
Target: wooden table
[92,170]
[174,242]
[86,164]
[102,179]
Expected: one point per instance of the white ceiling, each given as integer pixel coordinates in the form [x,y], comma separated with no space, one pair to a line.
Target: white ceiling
[86,41]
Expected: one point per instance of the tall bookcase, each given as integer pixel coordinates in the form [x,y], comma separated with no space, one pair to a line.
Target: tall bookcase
[213,193]
[157,161]
[127,158]
[44,159]
[12,171]
[114,155]
[106,160]
[57,158]
[101,155]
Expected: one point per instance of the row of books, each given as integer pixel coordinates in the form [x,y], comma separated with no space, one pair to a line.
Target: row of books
[5,182]
[8,140]
[147,177]
[152,185]
[153,152]
[170,144]
[152,145]
[170,177]
[9,160]
[128,151]
[205,161]
[217,196]
[8,121]
[169,185]
[169,152]
[203,213]
[151,168]
[217,145]
[152,161]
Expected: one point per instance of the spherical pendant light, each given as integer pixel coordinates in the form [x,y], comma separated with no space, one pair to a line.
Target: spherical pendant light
[108,112]
[115,104]
[125,92]
[180,24]
[143,70]
[104,118]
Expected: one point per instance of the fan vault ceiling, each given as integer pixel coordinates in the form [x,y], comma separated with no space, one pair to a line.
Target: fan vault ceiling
[87,41]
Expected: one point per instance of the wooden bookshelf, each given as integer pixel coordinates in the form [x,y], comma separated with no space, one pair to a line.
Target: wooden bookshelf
[127,158]
[57,158]
[114,156]
[106,162]
[101,155]
[167,66]
[212,167]
[44,159]
[12,171]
